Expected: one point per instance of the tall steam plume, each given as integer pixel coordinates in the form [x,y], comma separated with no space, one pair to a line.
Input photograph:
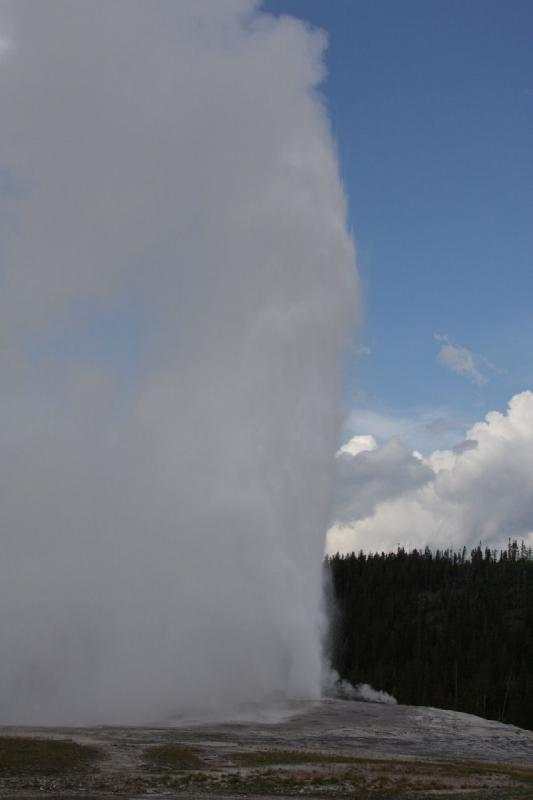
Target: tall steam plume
[177,287]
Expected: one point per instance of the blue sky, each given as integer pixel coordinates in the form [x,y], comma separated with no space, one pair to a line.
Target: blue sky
[431,106]
[432,109]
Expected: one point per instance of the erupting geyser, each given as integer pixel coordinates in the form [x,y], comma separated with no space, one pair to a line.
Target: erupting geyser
[178,285]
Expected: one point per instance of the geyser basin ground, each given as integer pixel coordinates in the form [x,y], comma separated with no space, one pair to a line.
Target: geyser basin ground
[335,749]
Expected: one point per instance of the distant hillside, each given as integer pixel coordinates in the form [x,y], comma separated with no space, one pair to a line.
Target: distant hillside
[443,629]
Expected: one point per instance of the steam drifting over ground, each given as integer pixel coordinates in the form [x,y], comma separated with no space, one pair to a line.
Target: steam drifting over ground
[177,288]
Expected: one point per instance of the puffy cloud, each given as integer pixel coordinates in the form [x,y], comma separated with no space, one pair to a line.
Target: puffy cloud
[358,444]
[481,490]
[366,478]
[463,361]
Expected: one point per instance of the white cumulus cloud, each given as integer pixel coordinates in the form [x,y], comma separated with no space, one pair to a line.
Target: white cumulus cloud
[366,478]
[481,490]
[358,444]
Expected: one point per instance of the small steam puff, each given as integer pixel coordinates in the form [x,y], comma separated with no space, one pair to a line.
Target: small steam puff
[334,686]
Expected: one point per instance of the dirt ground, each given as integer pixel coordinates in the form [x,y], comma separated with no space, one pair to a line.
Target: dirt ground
[333,749]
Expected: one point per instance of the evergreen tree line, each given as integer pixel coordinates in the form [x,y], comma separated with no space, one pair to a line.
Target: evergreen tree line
[447,629]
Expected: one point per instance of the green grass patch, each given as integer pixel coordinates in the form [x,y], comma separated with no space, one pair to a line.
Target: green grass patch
[25,755]
[173,757]
[513,771]
[293,772]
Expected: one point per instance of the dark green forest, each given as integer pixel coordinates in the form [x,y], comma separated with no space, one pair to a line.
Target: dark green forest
[444,629]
